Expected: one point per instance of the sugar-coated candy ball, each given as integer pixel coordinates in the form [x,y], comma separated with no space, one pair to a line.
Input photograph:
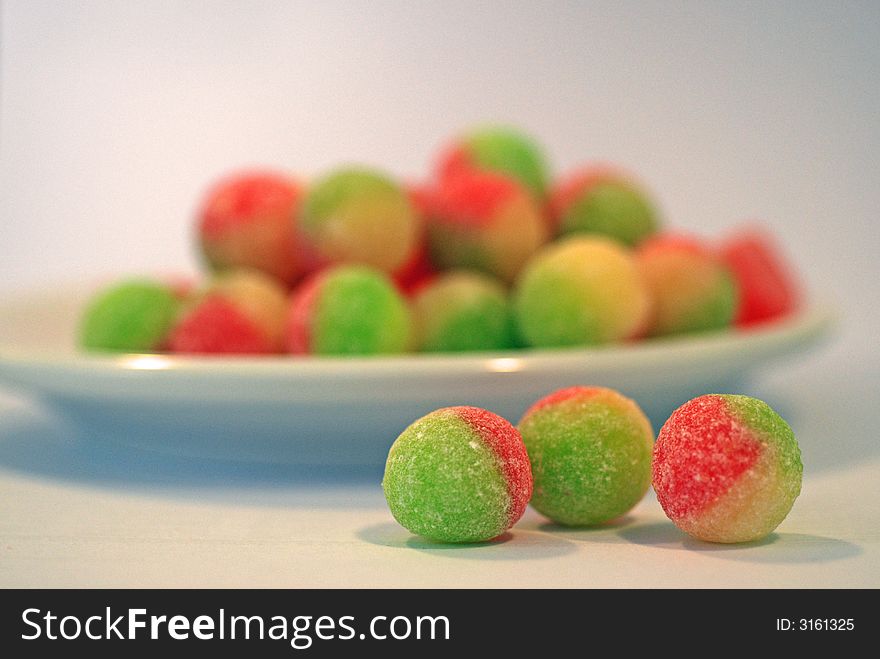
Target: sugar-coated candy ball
[459,474]
[497,149]
[240,312]
[590,449]
[131,316]
[726,468]
[768,287]
[358,215]
[691,287]
[487,222]
[462,310]
[579,291]
[247,220]
[604,201]
[348,310]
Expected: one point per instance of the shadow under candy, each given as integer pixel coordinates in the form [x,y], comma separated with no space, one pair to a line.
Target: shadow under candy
[513,545]
[787,547]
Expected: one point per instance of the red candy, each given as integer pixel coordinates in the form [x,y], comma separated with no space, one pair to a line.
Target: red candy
[217,326]
[299,321]
[768,287]
[706,441]
[247,220]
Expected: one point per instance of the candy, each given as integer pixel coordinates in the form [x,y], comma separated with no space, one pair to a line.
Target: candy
[692,289]
[487,222]
[497,149]
[358,216]
[241,312]
[348,310]
[582,290]
[590,450]
[602,201]
[131,316]
[462,310]
[767,285]
[248,221]
[726,468]
[459,474]
[418,269]
[415,273]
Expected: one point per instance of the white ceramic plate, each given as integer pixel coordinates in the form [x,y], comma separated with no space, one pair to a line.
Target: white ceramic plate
[348,410]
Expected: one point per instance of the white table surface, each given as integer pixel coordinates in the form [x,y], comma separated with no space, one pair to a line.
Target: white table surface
[74,513]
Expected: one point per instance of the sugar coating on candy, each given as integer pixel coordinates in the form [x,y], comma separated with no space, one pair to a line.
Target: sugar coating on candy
[462,310]
[131,316]
[241,312]
[497,149]
[487,222]
[348,310]
[579,291]
[603,201]
[248,221]
[692,289]
[458,474]
[358,216]
[767,285]
[726,468]
[590,449]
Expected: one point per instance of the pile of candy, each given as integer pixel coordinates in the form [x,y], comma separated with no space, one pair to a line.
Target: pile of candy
[725,468]
[487,255]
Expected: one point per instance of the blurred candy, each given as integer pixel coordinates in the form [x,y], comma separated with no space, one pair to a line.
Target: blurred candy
[603,201]
[487,222]
[497,149]
[241,312]
[462,310]
[361,216]
[247,220]
[348,310]
[767,285]
[580,291]
[692,289]
[131,316]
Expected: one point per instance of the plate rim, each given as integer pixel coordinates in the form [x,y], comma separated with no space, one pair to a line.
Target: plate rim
[805,326]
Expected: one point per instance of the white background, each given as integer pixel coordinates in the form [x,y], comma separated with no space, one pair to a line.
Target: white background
[115,115]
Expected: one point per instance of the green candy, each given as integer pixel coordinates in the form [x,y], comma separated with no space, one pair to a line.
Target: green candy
[583,290]
[590,450]
[508,151]
[463,311]
[133,316]
[612,209]
[443,482]
[359,312]
[358,215]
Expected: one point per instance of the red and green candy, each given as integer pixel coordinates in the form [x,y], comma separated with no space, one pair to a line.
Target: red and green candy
[240,312]
[248,220]
[485,221]
[726,468]
[459,474]
[590,449]
[348,310]
[602,200]
[497,149]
